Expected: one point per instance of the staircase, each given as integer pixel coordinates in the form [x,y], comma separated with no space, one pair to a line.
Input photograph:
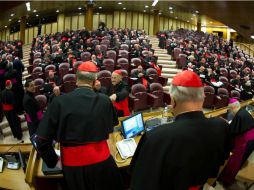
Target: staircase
[5,129]
[168,65]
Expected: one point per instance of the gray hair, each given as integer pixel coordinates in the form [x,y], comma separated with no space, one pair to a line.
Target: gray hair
[183,94]
[86,76]
[235,104]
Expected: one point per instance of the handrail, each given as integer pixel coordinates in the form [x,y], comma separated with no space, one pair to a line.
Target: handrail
[248,48]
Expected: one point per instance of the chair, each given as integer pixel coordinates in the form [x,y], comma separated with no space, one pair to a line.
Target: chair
[138,98]
[109,64]
[111,54]
[38,85]
[221,100]
[209,97]
[235,94]
[124,54]
[157,97]
[37,73]
[63,69]
[85,56]
[36,62]
[136,61]
[181,61]
[105,78]
[124,63]
[125,75]
[37,55]
[145,53]
[176,53]
[104,47]
[232,74]
[69,82]
[105,42]
[124,47]
[55,48]
[42,99]
[49,68]
[75,65]
[224,80]
[224,72]
[95,42]
[153,76]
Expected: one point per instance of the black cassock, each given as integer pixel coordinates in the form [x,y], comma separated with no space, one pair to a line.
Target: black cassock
[75,119]
[182,154]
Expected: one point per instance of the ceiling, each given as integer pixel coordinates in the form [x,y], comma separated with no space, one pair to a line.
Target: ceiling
[235,14]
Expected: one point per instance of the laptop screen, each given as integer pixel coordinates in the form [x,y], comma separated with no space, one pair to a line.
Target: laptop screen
[133,125]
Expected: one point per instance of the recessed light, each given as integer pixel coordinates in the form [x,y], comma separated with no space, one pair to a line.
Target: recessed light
[19,20]
[252,36]
[155,3]
[146,6]
[170,8]
[160,13]
[194,14]
[5,26]
[119,3]
[100,7]
[28,8]
[210,22]
[9,20]
[34,10]
[197,12]
[79,8]
[57,11]
[27,23]
[37,15]
[97,13]
[80,13]
[124,8]
[171,12]
[176,17]
[188,21]
[191,18]
[12,14]
[144,11]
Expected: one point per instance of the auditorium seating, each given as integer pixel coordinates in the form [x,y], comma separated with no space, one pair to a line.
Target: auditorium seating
[138,98]
[222,98]
[42,99]
[104,77]
[209,97]
[157,97]
[69,83]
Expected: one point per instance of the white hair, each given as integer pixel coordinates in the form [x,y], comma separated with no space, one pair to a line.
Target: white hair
[235,104]
[183,94]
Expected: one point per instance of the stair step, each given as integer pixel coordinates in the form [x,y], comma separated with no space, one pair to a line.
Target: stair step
[168,66]
[5,124]
[170,71]
[162,55]
[169,75]
[7,131]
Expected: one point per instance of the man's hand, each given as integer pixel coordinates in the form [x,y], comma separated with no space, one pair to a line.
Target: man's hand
[113,97]
[59,163]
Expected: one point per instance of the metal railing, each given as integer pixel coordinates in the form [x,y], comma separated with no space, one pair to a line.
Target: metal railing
[247,48]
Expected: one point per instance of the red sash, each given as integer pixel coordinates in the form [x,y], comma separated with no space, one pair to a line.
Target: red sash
[124,106]
[194,188]
[84,155]
[144,82]
[7,107]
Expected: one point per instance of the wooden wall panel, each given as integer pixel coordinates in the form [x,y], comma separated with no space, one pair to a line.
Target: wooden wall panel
[146,23]
[74,22]
[140,21]
[122,19]
[166,23]
[128,20]
[95,21]
[134,20]
[11,37]
[151,18]
[67,22]
[109,21]
[54,27]
[31,34]
[60,22]
[116,19]
[26,36]
[161,23]
[48,29]
[102,18]
[81,21]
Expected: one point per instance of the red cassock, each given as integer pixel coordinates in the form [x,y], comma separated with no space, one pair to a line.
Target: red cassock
[123,106]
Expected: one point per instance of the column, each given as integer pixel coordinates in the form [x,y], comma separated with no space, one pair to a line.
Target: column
[89,17]
[22,29]
[198,23]
[156,22]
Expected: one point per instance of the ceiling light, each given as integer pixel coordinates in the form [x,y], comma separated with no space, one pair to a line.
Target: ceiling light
[97,13]
[80,13]
[100,7]
[5,26]
[119,3]
[9,20]
[160,13]
[197,12]
[176,17]
[188,21]
[124,8]
[191,18]
[37,15]
[57,11]
[210,22]
[252,36]
[146,6]
[79,8]
[144,11]
[155,3]
[28,8]
[171,12]
[170,8]
[194,14]
[12,14]
[19,20]
[34,10]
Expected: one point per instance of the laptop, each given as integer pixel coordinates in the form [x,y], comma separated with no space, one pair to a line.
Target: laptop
[133,125]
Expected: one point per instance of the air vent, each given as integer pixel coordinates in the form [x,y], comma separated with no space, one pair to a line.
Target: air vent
[245,27]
